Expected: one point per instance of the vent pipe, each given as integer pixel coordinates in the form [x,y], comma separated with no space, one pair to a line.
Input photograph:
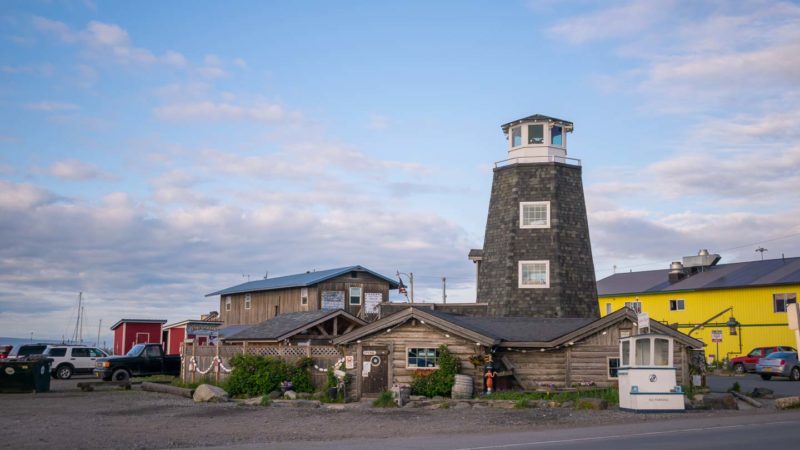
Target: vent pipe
[676,272]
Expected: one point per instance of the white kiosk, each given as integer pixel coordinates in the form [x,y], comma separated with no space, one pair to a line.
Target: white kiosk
[647,376]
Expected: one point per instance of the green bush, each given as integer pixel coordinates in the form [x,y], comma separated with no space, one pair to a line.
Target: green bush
[259,375]
[735,387]
[439,381]
[384,400]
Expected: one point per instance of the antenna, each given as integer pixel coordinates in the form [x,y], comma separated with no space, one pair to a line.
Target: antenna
[266,274]
[246,276]
[762,250]
[444,289]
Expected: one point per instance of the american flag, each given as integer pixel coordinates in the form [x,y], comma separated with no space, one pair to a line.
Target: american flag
[402,288]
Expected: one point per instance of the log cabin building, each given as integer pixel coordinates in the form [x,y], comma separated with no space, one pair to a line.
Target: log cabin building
[354,289]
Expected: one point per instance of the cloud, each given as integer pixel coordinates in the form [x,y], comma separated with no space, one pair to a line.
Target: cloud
[51,106]
[77,170]
[210,110]
[613,22]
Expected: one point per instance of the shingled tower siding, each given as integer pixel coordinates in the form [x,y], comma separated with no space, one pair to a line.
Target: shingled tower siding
[565,244]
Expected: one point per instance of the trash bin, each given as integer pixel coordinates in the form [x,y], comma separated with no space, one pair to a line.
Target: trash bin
[25,376]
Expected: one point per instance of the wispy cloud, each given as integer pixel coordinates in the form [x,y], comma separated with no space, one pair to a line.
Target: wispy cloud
[51,106]
[77,170]
[209,110]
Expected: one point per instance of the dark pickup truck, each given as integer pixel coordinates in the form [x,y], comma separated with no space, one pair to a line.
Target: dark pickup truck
[141,360]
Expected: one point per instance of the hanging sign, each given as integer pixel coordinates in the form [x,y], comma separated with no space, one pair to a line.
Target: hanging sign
[371,302]
[332,299]
[716,335]
[349,362]
[643,320]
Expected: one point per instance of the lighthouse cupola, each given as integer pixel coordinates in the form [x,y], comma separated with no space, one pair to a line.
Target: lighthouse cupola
[537,138]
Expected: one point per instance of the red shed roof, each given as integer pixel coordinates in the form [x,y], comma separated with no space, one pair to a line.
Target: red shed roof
[121,321]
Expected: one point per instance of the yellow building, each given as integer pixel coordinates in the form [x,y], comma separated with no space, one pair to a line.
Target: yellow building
[732,308]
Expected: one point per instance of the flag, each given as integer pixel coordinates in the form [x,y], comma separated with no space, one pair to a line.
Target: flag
[402,288]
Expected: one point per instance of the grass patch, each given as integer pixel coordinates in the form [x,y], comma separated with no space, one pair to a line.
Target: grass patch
[522,403]
[384,400]
[156,379]
[265,400]
[611,395]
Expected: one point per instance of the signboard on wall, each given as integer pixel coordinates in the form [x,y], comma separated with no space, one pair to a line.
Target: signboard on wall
[332,299]
[643,320]
[349,362]
[716,335]
[371,302]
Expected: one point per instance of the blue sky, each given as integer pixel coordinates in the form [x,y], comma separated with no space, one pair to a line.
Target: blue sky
[151,152]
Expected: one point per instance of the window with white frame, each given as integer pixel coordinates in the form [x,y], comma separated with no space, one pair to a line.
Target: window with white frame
[534,274]
[635,306]
[355,295]
[613,368]
[427,358]
[304,296]
[608,308]
[536,133]
[247,301]
[228,303]
[534,214]
[516,136]
[781,301]
[676,305]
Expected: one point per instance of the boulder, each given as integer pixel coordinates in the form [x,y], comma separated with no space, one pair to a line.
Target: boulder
[303,395]
[720,401]
[210,393]
[290,395]
[462,405]
[274,395]
[787,402]
[591,403]
[296,403]
[415,398]
[760,392]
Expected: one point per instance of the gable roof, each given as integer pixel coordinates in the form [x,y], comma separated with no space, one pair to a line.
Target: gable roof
[536,117]
[284,326]
[121,321]
[514,331]
[299,280]
[750,273]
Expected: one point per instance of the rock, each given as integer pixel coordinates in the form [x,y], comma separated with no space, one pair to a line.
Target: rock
[416,397]
[787,402]
[254,401]
[438,398]
[303,395]
[591,403]
[462,405]
[480,405]
[760,392]
[296,403]
[210,393]
[720,401]
[291,395]
[567,404]
[274,395]
[503,404]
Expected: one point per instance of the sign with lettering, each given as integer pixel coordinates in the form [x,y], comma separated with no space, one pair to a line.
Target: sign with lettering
[716,335]
[643,320]
[332,299]
[349,362]
[370,352]
[371,302]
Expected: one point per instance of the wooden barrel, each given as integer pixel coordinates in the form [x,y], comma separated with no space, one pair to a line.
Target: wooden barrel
[462,387]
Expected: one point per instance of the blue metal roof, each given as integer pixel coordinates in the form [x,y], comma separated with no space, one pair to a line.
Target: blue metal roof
[750,273]
[299,280]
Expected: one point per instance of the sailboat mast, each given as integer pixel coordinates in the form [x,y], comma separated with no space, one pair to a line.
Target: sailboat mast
[78,319]
[97,342]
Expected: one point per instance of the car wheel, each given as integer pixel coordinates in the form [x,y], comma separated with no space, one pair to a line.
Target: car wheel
[120,375]
[795,375]
[64,372]
[739,368]
[766,377]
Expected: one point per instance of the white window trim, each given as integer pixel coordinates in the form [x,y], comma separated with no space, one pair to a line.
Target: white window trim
[608,367]
[676,300]
[247,301]
[636,310]
[304,296]
[360,296]
[522,206]
[546,275]
[784,298]
[435,349]
[228,303]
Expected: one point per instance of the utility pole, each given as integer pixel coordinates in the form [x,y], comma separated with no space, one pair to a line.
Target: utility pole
[444,289]
[762,250]
[80,336]
[410,276]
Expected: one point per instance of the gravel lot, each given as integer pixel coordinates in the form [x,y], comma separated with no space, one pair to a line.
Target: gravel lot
[113,418]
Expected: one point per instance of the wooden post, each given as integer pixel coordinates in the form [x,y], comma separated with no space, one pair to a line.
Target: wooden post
[359,359]
[568,371]
[244,347]
[390,361]
[216,372]
[194,353]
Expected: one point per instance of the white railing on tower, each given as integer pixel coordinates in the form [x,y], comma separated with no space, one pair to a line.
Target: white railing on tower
[538,159]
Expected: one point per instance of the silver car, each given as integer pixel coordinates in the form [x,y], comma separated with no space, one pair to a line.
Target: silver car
[779,364]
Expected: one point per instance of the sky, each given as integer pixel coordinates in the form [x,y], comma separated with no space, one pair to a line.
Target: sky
[153,152]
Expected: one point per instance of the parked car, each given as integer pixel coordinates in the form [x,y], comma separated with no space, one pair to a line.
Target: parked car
[23,351]
[5,350]
[72,359]
[142,359]
[779,364]
[747,363]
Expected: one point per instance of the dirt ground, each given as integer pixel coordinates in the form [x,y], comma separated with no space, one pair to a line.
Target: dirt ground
[114,418]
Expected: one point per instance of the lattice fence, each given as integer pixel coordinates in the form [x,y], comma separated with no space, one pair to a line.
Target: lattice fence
[212,363]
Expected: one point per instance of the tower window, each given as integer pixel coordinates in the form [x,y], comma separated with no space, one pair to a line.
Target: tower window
[516,136]
[534,274]
[536,134]
[556,136]
[534,215]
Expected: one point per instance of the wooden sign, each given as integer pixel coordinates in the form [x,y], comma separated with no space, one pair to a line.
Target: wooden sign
[371,302]
[370,352]
[349,362]
[332,299]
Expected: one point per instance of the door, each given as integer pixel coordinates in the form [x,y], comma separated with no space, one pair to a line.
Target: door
[80,360]
[374,370]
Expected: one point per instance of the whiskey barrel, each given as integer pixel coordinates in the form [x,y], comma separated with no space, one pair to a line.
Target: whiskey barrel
[462,388]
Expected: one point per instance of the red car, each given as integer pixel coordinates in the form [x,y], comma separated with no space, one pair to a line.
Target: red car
[5,350]
[747,363]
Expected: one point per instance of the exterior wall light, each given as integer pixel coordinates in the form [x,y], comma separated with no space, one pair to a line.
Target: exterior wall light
[732,325]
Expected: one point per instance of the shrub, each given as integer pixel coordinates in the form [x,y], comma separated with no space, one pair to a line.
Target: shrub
[439,381]
[384,400]
[265,400]
[735,387]
[522,403]
[258,375]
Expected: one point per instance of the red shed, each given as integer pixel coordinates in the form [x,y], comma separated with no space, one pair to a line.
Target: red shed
[129,332]
[175,334]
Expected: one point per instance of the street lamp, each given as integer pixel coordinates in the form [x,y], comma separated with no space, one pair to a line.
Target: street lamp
[732,325]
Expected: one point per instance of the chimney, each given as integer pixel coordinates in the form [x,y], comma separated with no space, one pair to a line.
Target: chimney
[676,272]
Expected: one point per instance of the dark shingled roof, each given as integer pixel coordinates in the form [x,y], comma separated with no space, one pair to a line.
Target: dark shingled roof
[537,117]
[279,326]
[743,274]
[475,253]
[517,328]
[299,280]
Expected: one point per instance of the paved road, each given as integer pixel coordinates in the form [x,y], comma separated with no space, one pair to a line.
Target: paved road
[782,387]
[746,431]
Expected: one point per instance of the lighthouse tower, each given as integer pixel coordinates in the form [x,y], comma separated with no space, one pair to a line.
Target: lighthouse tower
[536,259]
